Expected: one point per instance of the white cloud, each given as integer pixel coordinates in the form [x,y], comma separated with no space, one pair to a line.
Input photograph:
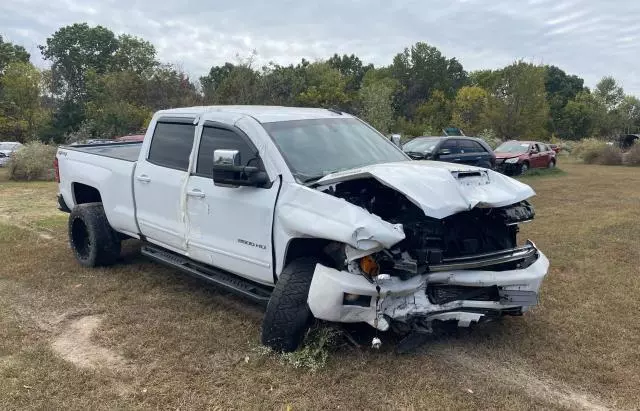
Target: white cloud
[590,38]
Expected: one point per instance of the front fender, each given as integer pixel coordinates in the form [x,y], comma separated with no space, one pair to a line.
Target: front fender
[302,212]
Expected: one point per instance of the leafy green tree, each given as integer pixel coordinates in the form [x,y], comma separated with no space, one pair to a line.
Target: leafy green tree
[240,86]
[21,112]
[375,100]
[436,112]
[10,53]
[350,67]
[73,51]
[281,85]
[560,88]
[210,82]
[470,109]
[325,87]
[116,103]
[420,71]
[579,116]
[486,79]
[133,54]
[517,103]
[629,112]
[168,87]
[608,93]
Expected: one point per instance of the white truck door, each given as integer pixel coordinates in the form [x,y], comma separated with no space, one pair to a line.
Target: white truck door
[230,227]
[159,181]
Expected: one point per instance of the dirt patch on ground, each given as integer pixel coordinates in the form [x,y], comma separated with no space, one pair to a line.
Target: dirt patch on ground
[512,373]
[74,345]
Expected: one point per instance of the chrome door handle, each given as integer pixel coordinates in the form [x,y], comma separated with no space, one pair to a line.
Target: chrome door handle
[144,178]
[196,193]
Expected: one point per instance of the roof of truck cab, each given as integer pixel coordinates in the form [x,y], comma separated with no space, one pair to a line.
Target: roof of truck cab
[264,114]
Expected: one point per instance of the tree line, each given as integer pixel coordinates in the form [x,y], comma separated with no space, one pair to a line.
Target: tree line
[104,85]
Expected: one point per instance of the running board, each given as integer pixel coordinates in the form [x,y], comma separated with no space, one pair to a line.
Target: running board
[248,289]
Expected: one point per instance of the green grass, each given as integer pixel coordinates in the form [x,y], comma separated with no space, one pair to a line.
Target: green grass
[543,172]
[189,346]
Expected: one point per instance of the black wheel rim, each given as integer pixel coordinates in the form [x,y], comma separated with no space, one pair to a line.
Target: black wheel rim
[80,238]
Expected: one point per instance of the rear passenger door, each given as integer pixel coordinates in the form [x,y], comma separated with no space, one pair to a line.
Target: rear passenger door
[449,151]
[472,153]
[159,181]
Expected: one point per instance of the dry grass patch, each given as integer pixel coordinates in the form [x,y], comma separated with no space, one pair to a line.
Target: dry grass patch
[181,344]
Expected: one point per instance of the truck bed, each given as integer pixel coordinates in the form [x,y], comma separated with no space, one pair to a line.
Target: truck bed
[128,151]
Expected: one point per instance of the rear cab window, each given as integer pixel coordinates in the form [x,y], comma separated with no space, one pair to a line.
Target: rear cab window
[171,144]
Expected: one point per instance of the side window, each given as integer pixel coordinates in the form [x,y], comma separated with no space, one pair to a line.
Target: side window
[480,148]
[171,145]
[214,138]
[451,145]
[470,146]
[539,147]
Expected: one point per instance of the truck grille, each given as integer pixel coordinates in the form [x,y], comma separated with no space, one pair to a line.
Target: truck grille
[444,293]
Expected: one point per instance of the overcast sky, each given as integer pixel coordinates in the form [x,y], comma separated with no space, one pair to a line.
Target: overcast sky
[591,38]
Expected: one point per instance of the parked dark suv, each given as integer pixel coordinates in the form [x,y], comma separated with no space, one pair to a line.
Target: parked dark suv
[464,150]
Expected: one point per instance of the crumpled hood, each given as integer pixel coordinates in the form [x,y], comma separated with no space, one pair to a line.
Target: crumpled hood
[441,189]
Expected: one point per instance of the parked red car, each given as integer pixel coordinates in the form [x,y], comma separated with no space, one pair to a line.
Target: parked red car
[516,157]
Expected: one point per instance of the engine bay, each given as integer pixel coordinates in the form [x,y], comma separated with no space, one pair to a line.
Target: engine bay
[430,242]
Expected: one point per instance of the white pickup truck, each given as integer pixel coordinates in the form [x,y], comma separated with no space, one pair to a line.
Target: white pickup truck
[311,212]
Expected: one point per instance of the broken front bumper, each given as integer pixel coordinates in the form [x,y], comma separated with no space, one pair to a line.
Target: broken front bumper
[463,295]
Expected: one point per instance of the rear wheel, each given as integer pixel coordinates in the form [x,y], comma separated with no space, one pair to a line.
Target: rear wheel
[551,164]
[92,239]
[288,316]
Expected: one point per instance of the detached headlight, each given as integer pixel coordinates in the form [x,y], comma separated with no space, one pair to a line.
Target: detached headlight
[511,160]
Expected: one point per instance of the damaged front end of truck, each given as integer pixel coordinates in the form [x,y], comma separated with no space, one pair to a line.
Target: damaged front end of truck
[442,245]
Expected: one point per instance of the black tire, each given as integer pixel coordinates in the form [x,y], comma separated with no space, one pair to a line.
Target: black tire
[92,239]
[524,167]
[551,164]
[288,316]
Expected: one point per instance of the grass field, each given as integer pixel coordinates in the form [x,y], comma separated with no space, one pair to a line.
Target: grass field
[138,335]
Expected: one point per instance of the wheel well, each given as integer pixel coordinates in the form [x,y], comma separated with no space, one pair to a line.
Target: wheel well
[305,247]
[83,194]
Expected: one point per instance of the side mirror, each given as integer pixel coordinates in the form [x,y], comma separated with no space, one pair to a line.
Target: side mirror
[228,172]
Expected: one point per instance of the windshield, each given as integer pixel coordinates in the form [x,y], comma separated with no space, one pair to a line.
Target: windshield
[512,147]
[421,145]
[317,147]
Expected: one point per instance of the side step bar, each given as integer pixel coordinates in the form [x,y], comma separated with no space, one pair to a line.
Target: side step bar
[255,292]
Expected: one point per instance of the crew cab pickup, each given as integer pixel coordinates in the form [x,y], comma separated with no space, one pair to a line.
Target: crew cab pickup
[311,212]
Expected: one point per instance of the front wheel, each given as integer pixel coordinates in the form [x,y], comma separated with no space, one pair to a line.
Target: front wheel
[92,239]
[288,316]
[524,167]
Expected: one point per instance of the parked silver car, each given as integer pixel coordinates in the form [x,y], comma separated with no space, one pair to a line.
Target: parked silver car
[7,148]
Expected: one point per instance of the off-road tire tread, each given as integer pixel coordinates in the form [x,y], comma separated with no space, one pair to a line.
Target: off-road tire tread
[105,241]
[288,316]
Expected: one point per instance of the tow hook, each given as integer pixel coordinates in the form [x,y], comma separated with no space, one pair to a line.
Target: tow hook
[376,343]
